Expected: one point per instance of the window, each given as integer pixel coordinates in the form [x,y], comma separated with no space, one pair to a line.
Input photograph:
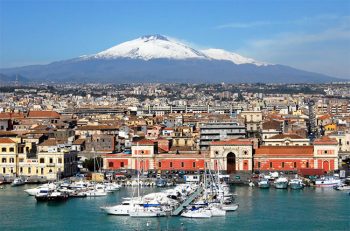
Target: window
[3,149]
[11,170]
[20,160]
[110,164]
[29,170]
[3,160]
[270,164]
[182,164]
[59,160]
[325,152]
[42,160]
[12,149]
[4,170]
[21,170]
[122,164]
[194,164]
[12,160]
[295,164]
[42,171]
[171,164]
[51,160]
[282,164]
[259,164]
[307,164]
[159,164]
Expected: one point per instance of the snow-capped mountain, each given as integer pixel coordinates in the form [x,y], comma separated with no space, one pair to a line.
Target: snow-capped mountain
[220,54]
[150,47]
[161,47]
[156,58]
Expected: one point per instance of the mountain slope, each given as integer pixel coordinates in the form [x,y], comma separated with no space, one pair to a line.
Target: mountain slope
[156,58]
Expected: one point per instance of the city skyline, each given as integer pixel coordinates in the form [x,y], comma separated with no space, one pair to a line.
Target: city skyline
[309,35]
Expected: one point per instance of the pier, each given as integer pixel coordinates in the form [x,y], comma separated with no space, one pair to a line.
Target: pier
[188,201]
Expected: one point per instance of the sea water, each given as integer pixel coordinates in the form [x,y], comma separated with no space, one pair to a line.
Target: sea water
[259,209]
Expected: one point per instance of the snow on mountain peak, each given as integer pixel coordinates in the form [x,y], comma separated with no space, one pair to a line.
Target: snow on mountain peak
[219,54]
[150,47]
[158,46]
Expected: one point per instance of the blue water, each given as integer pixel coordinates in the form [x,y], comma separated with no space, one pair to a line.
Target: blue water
[260,209]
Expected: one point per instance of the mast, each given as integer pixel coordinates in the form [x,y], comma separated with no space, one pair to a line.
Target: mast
[138,171]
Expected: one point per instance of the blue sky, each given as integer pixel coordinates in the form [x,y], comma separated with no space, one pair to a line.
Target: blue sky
[306,34]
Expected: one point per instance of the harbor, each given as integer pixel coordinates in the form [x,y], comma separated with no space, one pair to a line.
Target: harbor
[258,209]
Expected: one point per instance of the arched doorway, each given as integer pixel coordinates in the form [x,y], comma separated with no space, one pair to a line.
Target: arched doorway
[326,166]
[231,162]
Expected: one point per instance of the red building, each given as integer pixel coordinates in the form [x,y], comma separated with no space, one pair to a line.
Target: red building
[231,156]
[286,158]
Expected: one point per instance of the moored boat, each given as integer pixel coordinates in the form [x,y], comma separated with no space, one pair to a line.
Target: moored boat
[230,207]
[264,183]
[281,183]
[342,187]
[327,181]
[34,191]
[51,196]
[147,212]
[296,183]
[17,182]
[197,213]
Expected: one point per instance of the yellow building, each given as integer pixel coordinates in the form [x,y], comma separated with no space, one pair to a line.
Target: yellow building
[329,128]
[51,161]
[8,156]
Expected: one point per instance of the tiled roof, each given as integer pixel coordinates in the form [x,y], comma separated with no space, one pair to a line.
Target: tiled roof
[51,142]
[7,133]
[286,135]
[181,148]
[43,114]
[98,127]
[272,124]
[233,142]
[264,151]
[79,141]
[324,117]
[11,115]
[143,142]
[325,140]
[6,141]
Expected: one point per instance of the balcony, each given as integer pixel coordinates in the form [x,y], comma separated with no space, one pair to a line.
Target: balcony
[50,165]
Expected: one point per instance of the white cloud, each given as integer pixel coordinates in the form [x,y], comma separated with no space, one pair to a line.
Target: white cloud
[325,51]
[319,19]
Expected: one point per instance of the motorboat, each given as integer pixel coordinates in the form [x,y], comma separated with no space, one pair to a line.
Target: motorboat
[161,182]
[264,183]
[147,212]
[327,181]
[17,182]
[216,210]
[296,183]
[34,191]
[197,213]
[123,209]
[47,195]
[230,207]
[281,183]
[342,187]
[112,186]
[93,193]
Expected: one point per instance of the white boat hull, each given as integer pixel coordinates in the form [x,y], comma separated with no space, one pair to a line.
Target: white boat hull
[231,207]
